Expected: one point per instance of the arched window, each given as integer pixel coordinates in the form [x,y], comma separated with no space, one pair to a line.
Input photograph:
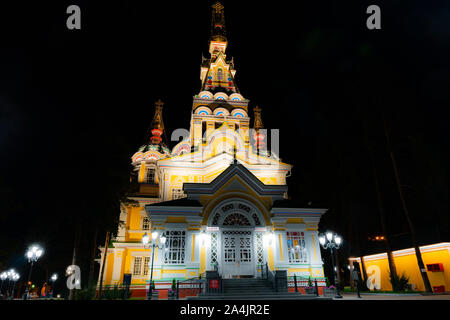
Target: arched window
[236,219]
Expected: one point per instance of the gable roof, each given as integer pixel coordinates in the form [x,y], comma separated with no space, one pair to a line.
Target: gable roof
[235,169]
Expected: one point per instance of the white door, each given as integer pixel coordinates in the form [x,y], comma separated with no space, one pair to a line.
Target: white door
[237,259]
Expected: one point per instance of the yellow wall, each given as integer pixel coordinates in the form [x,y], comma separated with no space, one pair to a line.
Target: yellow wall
[109,270]
[407,263]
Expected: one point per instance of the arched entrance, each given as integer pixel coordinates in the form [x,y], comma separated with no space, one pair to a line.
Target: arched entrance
[237,228]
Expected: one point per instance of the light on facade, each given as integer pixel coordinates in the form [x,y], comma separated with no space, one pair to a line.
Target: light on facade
[269,238]
[163,239]
[145,239]
[154,235]
[203,238]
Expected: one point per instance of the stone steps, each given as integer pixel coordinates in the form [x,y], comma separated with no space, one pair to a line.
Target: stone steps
[253,289]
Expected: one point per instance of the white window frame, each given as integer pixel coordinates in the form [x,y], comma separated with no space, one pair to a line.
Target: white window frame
[153,175]
[145,220]
[292,241]
[135,264]
[178,252]
[146,268]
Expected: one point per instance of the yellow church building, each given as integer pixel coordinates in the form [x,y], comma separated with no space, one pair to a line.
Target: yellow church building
[218,198]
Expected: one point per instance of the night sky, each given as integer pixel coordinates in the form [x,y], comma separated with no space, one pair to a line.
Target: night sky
[75,105]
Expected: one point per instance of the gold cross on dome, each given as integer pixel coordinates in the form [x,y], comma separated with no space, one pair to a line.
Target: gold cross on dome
[159,103]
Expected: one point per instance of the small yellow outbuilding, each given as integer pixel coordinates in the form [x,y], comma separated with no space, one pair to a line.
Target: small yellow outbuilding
[436,258]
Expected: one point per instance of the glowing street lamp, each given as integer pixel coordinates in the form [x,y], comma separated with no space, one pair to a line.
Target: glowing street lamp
[33,254]
[332,241]
[14,278]
[147,245]
[53,278]
[3,277]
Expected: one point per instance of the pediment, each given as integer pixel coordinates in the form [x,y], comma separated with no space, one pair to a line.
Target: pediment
[235,177]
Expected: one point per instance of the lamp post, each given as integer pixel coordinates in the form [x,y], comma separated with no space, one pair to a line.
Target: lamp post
[3,277]
[53,279]
[332,241]
[10,275]
[14,278]
[33,254]
[147,245]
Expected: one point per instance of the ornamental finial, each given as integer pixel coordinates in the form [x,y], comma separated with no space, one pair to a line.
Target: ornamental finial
[157,126]
[257,122]
[218,22]
[157,122]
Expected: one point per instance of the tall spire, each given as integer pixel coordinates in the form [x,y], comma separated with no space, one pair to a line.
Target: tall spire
[157,125]
[217,73]
[218,23]
[218,39]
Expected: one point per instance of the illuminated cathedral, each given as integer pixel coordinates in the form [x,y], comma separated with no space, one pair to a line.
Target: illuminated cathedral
[218,197]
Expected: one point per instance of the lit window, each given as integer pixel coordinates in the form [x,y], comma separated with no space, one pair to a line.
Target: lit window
[177,194]
[146,265]
[146,223]
[175,244]
[137,266]
[296,247]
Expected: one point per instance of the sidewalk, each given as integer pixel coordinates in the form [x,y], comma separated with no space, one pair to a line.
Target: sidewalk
[393,296]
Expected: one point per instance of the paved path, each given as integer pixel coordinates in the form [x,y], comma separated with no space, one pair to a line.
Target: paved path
[380,296]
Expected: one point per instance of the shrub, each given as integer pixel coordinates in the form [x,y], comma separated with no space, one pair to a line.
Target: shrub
[174,285]
[85,294]
[115,293]
[399,283]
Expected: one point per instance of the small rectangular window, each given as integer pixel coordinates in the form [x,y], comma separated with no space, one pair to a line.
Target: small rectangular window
[146,265]
[296,247]
[150,175]
[145,223]
[204,131]
[137,266]
[175,246]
